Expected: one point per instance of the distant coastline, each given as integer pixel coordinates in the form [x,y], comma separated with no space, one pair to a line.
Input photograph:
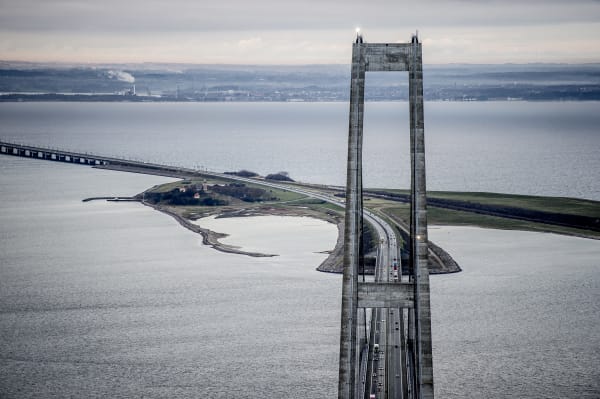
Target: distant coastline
[117,98]
[291,83]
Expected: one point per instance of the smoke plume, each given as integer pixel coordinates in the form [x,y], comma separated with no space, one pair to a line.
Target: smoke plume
[121,76]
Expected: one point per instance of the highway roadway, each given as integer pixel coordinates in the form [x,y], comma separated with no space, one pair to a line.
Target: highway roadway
[388,324]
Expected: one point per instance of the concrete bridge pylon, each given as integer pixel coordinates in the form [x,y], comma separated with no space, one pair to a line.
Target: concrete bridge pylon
[380,57]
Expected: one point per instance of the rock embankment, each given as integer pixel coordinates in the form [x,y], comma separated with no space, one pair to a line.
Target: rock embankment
[441,262]
[335,261]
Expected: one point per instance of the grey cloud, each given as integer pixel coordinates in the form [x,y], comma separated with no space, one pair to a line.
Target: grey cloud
[262,15]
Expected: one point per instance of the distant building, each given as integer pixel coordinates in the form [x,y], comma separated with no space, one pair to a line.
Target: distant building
[130,92]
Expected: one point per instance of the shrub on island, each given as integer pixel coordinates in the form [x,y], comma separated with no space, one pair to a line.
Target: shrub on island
[243,173]
[280,176]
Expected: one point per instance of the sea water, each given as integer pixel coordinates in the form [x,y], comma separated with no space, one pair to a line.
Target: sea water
[540,148]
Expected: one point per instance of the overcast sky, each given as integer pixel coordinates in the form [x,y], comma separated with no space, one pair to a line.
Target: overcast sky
[296,31]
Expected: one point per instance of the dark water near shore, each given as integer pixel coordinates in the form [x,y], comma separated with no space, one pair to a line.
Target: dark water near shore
[513,147]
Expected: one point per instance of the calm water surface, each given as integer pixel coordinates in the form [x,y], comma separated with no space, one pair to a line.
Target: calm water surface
[262,234]
[523,318]
[545,148]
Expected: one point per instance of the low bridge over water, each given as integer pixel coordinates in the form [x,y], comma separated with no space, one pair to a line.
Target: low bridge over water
[24,150]
[66,156]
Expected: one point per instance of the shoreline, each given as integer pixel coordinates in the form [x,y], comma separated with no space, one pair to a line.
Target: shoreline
[331,264]
[209,237]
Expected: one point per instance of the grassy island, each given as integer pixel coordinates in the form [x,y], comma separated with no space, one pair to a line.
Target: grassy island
[202,196]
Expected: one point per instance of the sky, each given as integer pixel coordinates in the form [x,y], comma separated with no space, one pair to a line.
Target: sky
[296,31]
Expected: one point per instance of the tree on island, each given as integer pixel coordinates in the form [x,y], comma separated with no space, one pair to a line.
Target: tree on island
[280,176]
[193,195]
[243,173]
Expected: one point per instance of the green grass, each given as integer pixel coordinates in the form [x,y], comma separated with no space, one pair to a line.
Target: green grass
[282,195]
[441,216]
[165,188]
[307,201]
[570,206]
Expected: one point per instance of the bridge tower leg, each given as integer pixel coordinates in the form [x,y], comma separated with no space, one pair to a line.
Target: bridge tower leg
[352,231]
[418,233]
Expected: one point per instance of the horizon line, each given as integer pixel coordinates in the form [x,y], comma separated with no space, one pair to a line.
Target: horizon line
[123,63]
